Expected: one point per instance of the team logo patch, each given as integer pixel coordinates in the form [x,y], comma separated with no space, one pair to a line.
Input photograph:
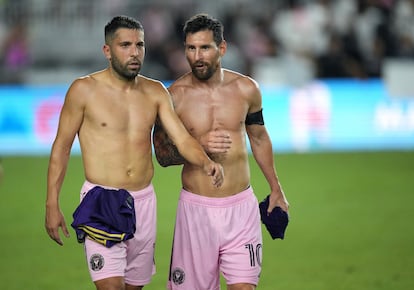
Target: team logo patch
[178,276]
[96,262]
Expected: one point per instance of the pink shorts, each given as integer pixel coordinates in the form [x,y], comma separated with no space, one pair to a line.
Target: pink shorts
[134,258]
[214,235]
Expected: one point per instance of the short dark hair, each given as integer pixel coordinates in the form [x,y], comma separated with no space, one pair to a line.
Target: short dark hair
[121,21]
[200,22]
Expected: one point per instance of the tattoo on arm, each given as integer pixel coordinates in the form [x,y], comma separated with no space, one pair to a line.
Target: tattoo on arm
[165,151]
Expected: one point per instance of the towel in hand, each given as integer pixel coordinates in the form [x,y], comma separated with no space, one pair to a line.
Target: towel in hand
[276,222]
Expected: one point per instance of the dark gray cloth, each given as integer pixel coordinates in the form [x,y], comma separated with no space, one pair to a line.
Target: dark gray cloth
[275,222]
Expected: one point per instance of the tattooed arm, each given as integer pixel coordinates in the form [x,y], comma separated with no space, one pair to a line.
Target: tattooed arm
[165,151]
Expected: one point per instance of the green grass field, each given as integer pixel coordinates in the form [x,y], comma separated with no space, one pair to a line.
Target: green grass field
[350,228]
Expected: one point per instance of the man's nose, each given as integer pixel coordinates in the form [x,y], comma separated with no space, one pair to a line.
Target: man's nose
[198,55]
[135,51]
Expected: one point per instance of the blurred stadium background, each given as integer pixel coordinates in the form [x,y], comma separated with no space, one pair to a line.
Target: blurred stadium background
[318,62]
[338,95]
[286,41]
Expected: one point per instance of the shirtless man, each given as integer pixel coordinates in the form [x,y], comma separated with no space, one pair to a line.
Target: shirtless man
[113,112]
[218,229]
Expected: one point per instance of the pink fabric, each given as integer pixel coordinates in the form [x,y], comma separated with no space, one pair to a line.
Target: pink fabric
[214,235]
[132,259]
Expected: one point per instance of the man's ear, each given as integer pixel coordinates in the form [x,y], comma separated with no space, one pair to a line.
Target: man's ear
[106,51]
[223,48]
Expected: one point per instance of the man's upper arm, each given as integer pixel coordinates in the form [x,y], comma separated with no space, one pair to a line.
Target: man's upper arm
[71,115]
[251,87]
[254,119]
[167,125]
[165,151]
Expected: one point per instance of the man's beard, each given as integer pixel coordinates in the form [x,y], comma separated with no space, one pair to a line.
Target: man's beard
[205,74]
[123,71]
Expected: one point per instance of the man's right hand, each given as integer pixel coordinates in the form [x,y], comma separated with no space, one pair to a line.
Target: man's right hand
[215,170]
[53,221]
[217,141]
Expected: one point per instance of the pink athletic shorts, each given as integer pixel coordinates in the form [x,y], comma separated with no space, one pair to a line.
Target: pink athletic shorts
[214,235]
[134,258]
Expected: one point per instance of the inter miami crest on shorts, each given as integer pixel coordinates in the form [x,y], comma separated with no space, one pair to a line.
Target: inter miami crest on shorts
[178,276]
[96,262]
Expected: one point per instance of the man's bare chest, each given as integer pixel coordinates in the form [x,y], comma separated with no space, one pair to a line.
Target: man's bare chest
[132,115]
[203,116]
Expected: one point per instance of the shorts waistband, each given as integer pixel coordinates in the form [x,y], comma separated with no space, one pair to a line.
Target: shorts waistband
[216,201]
[137,194]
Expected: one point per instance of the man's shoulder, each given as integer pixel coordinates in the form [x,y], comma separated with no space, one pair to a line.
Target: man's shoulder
[183,80]
[146,79]
[149,83]
[233,76]
[82,83]
[182,83]
[151,87]
[88,80]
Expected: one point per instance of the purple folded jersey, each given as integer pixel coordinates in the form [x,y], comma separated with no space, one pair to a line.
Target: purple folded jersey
[111,212]
[276,222]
